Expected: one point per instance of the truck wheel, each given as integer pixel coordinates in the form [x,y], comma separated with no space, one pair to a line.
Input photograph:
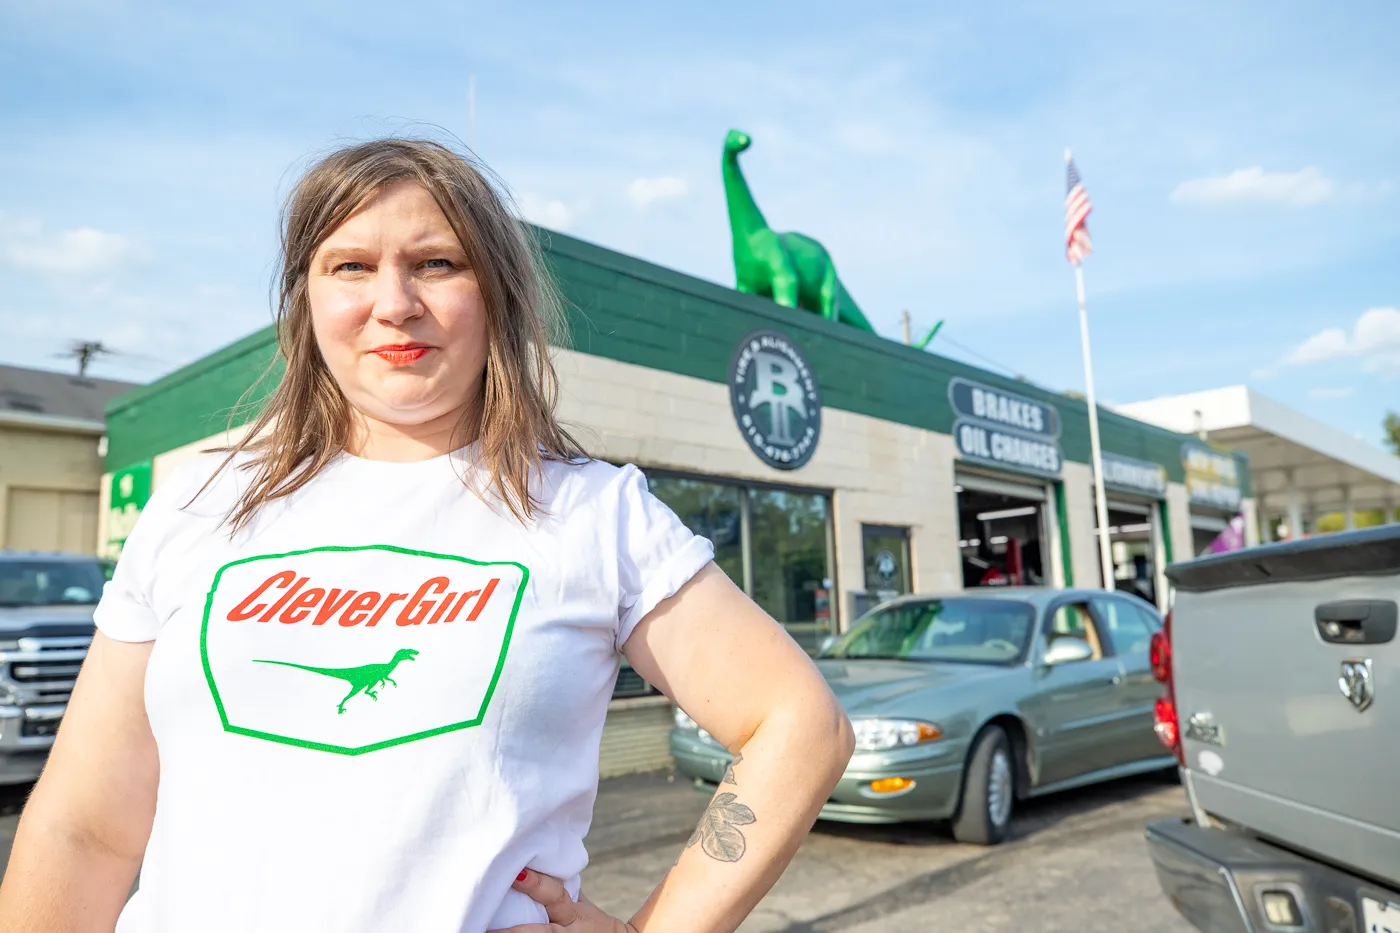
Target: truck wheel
[988,792]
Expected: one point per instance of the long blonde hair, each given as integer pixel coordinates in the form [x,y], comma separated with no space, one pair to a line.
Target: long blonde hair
[307,421]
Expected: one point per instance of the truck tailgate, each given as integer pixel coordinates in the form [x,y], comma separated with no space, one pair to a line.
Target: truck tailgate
[1287,681]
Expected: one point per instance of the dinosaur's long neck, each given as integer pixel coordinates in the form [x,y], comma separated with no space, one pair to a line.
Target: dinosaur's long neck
[744,215]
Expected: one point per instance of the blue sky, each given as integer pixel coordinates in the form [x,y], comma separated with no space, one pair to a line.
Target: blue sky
[1242,161]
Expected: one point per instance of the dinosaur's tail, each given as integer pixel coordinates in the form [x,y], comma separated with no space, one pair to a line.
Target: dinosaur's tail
[303,667]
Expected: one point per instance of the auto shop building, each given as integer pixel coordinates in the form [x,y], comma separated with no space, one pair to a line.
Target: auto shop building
[832,468]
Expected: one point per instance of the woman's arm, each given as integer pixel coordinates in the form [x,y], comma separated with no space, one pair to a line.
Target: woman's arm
[745,681]
[85,827]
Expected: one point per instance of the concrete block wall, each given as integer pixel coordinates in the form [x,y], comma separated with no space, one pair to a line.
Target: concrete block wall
[882,472]
[1079,510]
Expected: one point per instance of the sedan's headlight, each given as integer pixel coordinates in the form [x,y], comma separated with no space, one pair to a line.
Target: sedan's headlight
[685,722]
[878,735]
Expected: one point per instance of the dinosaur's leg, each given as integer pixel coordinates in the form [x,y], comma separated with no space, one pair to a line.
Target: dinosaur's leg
[830,294]
[390,680]
[353,690]
[785,281]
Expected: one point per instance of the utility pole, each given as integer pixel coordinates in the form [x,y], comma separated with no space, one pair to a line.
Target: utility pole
[904,320]
[84,351]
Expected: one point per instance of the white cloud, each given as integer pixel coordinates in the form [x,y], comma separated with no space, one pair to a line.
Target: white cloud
[1339,392]
[1303,188]
[80,252]
[1374,340]
[644,192]
[546,212]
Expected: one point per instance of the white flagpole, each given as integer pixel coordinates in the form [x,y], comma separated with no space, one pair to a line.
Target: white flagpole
[1100,500]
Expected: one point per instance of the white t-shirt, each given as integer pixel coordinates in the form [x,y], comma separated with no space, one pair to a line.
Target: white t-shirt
[383,698]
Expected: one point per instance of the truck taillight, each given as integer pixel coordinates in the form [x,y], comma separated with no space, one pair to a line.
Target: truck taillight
[1164,716]
[1164,722]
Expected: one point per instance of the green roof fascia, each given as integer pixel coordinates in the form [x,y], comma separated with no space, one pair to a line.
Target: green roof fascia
[624,308]
[191,403]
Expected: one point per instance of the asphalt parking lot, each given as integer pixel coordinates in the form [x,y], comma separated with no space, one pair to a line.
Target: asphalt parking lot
[1076,863]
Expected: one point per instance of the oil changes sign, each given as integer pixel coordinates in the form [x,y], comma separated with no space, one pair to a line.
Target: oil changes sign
[1003,429]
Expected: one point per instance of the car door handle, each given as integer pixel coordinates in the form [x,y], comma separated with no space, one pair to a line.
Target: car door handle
[1357,621]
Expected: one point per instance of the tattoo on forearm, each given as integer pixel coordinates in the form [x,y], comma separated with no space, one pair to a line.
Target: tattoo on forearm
[718,832]
[729,774]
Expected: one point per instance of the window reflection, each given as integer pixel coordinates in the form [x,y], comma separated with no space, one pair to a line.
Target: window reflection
[711,510]
[789,532]
[786,540]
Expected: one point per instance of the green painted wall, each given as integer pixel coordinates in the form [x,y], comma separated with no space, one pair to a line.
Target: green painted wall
[625,309]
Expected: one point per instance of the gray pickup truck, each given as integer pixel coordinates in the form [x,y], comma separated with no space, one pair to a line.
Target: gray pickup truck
[46,604]
[1282,673]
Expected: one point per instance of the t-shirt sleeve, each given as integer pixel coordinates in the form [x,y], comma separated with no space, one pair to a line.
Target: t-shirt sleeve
[125,612]
[656,553]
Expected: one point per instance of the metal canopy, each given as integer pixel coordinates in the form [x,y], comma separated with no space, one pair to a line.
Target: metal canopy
[1296,462]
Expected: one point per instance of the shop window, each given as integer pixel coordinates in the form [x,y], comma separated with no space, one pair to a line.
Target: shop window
[789,532]
[886,552]
[1000,539]
[774,543]
[712,510]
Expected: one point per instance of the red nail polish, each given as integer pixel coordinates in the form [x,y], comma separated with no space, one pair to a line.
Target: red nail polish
[522,876]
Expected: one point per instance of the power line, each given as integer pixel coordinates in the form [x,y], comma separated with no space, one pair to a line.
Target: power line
[1004,369]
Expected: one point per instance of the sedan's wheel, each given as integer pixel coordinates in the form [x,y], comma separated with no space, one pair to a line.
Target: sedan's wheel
[989,790]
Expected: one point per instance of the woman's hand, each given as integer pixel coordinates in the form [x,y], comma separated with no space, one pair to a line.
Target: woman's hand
[564,914]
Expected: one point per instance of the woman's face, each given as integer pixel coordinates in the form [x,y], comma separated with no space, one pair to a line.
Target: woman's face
[397,312]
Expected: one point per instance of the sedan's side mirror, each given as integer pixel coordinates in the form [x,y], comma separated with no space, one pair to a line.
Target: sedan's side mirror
[1068,650]
[825,644]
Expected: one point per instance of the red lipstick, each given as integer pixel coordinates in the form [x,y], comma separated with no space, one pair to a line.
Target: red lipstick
[401,354]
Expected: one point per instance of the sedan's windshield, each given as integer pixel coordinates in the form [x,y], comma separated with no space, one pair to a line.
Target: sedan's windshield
[971,631]
[50,582]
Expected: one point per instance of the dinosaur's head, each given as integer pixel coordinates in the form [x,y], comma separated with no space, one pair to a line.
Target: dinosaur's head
[405,654]
[737,141]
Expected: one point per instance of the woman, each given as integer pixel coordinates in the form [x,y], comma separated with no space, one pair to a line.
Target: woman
[352,675]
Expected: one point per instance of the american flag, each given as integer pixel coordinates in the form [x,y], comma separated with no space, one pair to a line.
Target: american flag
[1077,208]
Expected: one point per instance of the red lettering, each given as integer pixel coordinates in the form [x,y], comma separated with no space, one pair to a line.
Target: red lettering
[481,601]
[447,600]
[277,606]
[384,607]
[457,607]
[246,609]
[359,609]
[331,606]
[300,607]
[417,608]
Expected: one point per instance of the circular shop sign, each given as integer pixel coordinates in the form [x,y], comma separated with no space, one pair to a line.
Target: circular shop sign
[775,399]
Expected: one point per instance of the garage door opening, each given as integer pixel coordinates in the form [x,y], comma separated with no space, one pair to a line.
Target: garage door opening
[1134,543]
[1000,535]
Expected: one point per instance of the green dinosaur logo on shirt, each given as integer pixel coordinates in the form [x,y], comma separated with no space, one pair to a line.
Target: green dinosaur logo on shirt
[367,677]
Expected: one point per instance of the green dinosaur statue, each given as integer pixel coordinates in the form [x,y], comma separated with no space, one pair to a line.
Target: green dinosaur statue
[366,677]
[792,269]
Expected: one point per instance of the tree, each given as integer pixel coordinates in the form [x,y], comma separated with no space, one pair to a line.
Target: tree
[1391,426]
